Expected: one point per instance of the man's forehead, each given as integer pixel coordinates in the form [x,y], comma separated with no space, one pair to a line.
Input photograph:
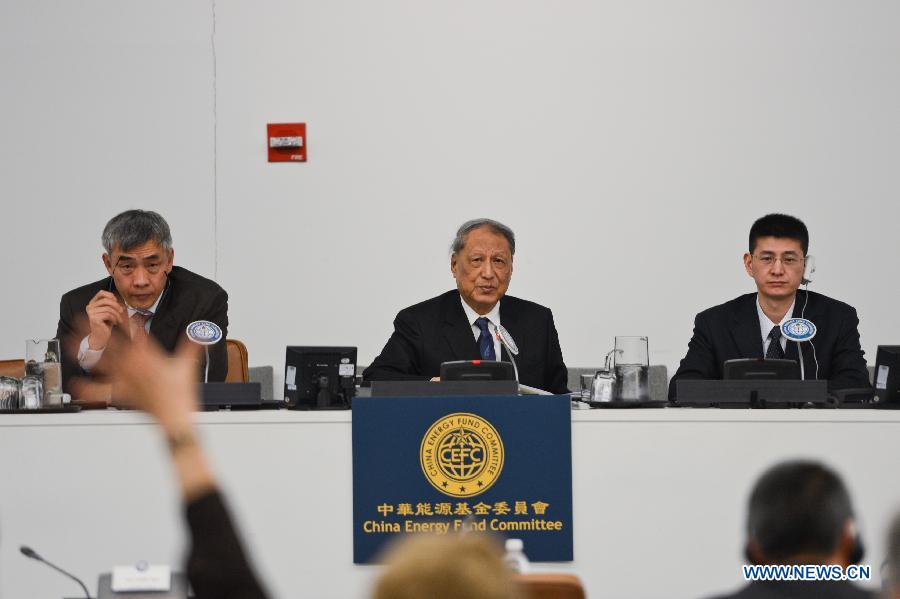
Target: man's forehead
[778,245]
[484,239]
[145,250]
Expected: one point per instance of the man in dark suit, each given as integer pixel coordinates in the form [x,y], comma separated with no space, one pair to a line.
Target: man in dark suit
[462,324]
[800,514]
[749,326]
[144,294]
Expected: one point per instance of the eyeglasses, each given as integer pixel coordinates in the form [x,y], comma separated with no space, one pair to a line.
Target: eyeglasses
[788,261]
[127,266]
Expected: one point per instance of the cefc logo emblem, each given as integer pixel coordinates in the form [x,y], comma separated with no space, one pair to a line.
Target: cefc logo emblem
[461,455]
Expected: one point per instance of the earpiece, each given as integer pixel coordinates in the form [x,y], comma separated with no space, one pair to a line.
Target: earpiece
[808,270]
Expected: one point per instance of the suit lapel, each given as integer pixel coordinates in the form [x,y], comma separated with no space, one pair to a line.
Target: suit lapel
[456,329]
[509,318]
[745,328]
[162,325]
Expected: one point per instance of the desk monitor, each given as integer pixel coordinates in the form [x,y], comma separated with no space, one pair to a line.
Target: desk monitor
[319,378]
[477,370]
[887,374]
[759,369]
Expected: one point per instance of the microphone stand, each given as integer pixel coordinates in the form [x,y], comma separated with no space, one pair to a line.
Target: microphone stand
[510,352]
[31,553]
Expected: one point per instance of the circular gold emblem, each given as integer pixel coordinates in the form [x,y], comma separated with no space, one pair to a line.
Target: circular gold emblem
[461,455]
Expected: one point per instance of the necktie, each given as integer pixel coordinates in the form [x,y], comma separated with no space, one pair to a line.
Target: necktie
[136,325]
[775,350]
[485,341]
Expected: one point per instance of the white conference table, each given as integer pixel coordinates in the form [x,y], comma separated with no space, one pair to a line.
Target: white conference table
[659,495]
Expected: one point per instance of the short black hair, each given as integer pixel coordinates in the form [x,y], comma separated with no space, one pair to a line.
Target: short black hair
[798,507]
[779,225]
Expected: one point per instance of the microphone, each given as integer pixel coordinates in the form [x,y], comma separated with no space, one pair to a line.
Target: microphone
[800,330]
[31,553]
[511,348]
[205,333]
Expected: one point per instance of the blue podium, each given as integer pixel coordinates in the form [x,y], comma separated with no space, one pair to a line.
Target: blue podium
[498,464]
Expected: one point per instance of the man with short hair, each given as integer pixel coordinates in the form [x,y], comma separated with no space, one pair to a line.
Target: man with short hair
[462,324]
[750,325]
[800,513]
[144,294]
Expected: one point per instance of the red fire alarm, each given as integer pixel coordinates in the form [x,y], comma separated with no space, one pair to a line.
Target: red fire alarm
[287,142]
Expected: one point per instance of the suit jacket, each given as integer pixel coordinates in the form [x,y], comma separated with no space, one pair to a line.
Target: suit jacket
[437,330]
[731,330]
[791,589]
[187,297]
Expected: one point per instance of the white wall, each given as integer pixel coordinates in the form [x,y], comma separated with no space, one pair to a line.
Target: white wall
[629,144]
[105,106]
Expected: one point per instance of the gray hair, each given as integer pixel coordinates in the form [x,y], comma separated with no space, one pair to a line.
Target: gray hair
[497,227]
[132,228]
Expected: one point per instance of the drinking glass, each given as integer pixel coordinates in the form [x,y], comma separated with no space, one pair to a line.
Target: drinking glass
[9,393]
[632,369]
[32,395]
[42,359]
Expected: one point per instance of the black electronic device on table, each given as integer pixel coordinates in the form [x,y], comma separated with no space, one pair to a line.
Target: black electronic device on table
[887,375]
[760,369]
[443,388]
[754,383]
[771,393]
[319,377]
[477,370]
[231,396]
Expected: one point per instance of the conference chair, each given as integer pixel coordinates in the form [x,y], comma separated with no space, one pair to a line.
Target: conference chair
[238,369]
[551,586]
[14,368]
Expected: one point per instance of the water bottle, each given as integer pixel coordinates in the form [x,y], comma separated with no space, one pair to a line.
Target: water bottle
[515,556]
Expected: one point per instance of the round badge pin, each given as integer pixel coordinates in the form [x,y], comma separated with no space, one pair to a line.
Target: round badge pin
[798,329]
[204,332]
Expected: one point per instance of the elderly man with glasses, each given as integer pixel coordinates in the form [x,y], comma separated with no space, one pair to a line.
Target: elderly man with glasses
[144,294]
[750,325]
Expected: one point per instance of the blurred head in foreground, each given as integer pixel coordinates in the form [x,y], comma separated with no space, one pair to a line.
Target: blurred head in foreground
[800,513]
[452,566]
[892,572]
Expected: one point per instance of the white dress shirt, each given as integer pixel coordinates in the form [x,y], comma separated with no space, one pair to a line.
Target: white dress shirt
[765,325]
[88,358]
[493,322]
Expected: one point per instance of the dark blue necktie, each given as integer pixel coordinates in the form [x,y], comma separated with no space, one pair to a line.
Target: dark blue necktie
[485,341]
[775,349]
